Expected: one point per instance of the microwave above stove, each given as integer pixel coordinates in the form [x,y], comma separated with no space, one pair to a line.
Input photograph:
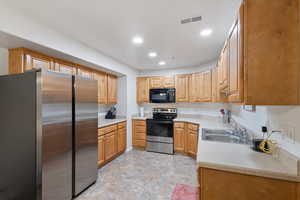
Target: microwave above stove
[162,95]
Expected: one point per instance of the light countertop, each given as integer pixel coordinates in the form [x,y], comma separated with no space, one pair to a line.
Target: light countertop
[106,122]
[237,158]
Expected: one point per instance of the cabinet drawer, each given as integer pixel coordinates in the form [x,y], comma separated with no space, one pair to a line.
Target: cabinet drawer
[121,125]
[108,129]
[140,135]
[139,143]
[140,122]
[193,127]
[179,124]
[141,129]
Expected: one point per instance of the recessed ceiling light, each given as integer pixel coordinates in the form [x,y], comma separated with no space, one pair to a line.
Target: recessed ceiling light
[138,40]
[152,54]
[206,32]
[161,63]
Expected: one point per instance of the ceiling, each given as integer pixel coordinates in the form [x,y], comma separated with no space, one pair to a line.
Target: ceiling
[108,26]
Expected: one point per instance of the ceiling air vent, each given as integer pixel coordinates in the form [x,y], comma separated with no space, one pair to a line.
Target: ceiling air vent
[189,20]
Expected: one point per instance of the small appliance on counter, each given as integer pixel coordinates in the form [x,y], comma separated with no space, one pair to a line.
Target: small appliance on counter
[160,131]
[111,114]
[142,113]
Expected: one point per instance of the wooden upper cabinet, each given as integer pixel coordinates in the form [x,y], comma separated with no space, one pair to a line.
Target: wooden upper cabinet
[224,68]
[112,83]
[37,61]
[102,87]
[142,89]
[64,67]
[85,72]
[182,88]
[200,87]
[214,86]
[168,82]
[271,46]
[206,86]
[22,59]
[156,82]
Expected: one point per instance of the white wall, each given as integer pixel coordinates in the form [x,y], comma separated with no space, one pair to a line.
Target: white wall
[184,70]
[3,61]
[286,118]
[210,109]
[21,26]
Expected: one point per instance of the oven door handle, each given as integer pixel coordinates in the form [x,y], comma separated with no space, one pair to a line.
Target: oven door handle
[160,121]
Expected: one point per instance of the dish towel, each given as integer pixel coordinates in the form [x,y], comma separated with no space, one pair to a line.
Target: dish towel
[185,192]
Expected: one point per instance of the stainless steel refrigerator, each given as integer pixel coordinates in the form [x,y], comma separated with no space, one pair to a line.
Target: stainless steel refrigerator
[48,135]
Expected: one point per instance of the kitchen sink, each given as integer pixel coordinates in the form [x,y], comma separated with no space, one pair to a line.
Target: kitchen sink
[227,136]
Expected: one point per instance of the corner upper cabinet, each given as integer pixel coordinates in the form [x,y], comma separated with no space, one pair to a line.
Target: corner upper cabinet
[22,59]
[142,89]
[182,88]
[112,83]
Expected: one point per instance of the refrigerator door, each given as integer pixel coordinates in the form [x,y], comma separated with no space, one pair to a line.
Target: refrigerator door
[18,137]
[85,152]
[55,105]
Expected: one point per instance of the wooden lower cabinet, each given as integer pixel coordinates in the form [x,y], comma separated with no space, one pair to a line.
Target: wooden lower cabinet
[101,156]
[186,138]
[111,142]
[139,134]
[122,137]
[110,145]
[222,185]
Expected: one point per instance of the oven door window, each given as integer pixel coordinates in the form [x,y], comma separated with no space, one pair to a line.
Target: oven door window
[160,128]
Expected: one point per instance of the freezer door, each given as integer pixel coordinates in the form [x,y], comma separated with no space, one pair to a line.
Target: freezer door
[85,152]
[56,135]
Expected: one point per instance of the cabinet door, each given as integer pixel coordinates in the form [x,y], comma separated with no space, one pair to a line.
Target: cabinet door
[112,89]
[206,86]
[182,88]
[156,82]
[85,72]
[139,133]
[121,140]
[101,149]
[142,89]
[168,82]
[110,145]
[64,67]
[36,61]
[192,143]
[179,140]
[102,87]
[236,69]
[224,67]
[195,87]
[214,85]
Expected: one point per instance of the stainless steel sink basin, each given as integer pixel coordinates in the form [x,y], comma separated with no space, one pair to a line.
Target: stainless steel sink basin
[227,136]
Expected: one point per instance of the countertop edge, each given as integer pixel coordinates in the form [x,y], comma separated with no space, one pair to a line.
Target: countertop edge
[114,121]
[249,171]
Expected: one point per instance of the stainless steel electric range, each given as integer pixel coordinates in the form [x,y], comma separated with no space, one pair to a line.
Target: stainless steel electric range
[160,131]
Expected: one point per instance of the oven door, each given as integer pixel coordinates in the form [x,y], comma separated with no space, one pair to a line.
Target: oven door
[160,131]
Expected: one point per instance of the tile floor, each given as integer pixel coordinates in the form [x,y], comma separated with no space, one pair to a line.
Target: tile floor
[141,175]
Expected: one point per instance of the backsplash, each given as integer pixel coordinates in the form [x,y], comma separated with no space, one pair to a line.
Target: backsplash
[189,108]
